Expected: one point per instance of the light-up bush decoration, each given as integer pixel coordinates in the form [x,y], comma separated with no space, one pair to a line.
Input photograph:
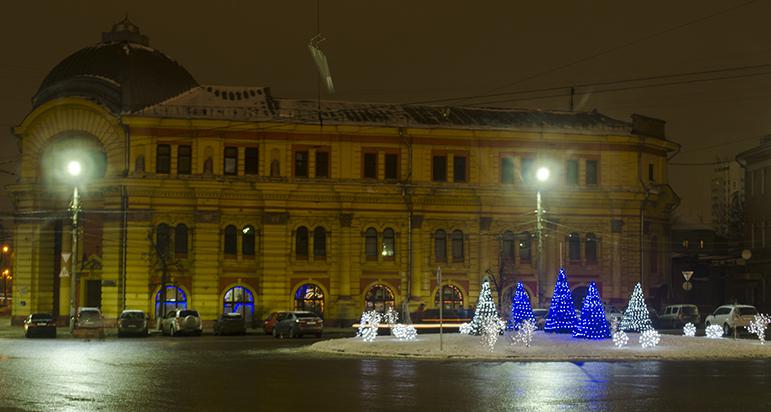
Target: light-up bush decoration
[758,327]
[404,332]
[650,338]
[714,331]
[689,329]
[368,326]
[620,338]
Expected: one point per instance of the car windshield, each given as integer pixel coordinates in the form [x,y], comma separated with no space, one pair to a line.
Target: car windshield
[132,315]
[748,311]
[185,313]
[689,310]
[89,315]
[41,317]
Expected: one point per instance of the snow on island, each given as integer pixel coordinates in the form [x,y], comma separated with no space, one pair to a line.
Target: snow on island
[547,347]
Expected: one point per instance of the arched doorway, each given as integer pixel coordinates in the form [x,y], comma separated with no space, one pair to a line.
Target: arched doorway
[175,299]
[309,297]
[241,300]
[452,298]
[379,298]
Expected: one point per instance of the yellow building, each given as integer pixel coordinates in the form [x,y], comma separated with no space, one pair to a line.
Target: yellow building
[256,203]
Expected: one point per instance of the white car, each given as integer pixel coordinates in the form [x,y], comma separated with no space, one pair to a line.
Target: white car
[730,317]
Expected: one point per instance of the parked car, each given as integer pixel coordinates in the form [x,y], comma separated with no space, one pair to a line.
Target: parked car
[676,316]
[182,322]
[270,322]
[295,324]
[132,322]
[731,317]
[230,324]
[39,324]
[540,317]
[87,321]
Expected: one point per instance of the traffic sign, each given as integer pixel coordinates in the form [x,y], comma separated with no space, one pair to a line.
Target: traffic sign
[687,286]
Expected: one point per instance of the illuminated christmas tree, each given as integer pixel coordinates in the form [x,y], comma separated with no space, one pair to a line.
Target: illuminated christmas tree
[521,309]
[636,317]
[485,313]
[562,311]
[593,324]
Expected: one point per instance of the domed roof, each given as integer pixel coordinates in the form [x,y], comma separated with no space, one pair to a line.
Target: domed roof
[122,71]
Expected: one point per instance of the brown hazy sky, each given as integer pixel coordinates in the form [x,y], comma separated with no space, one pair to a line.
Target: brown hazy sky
[407,51]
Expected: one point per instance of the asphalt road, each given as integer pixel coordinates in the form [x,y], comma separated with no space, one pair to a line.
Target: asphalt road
[262,373]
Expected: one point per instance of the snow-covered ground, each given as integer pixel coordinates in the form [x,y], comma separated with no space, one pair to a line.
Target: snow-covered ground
[548,347]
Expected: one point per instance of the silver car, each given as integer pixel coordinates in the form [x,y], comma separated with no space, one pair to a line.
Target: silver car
[731,316]
[182,322]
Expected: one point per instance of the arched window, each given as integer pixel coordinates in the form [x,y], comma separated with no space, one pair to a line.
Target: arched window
[590,248]
[319,242]
[525,250]
[301,243]
[389,244]
[574,247]
[230,240]
[180,240]
[452,298]
[440,246]
[379,298]
[309,297]
[457,246]
[247,241]
[507,247]
[175,299]
[240,300]
[370,243]
[163,240]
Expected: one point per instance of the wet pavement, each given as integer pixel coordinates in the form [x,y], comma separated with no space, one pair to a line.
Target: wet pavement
[261,373]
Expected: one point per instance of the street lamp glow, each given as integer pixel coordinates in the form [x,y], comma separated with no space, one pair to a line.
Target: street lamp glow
[542,174]
[74,168]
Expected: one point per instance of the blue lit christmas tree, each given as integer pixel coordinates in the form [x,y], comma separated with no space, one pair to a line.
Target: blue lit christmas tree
[562,311]
[485,311]
[593,324]
[521,309]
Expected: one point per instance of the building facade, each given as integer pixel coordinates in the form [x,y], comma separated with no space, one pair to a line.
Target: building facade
[727,195]
[224,198]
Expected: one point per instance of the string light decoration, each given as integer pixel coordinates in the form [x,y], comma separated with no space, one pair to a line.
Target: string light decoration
[390,317]
[689,329]
[758,326]
[491,329]
[620,339]
[593,324]
[404,332]
[562,312]
[521,309]
[714,331]
[486,311]
[368,326]
[649,338]
[524,335]
[465,328]
[636,317]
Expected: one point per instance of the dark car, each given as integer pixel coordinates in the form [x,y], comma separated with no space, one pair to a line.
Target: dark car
[87,322]
[40,324]
[132,322]
[230,324]
[295,324]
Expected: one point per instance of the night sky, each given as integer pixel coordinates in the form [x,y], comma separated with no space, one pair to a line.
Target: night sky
[408,51]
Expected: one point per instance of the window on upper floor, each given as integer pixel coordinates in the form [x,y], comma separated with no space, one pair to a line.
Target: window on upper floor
[574,247]
[163,241]
[459,168]
[301,243]
[457,246]
[322,164]
[319,242]
[590,248]
[439,168]
[248,237]
[525,250]
[507,169]
[571,172]
[591,172]
[251,161]
[369,166]
[389,244]
[440,246]
[391,166]
[507,247]
[651,175]
[184,160]
[370,243]
[526,172]
[163,158]
[231,239]
[180,241]
[231,161]
[301,163]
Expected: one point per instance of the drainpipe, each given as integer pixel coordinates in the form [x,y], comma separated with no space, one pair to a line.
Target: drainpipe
[642,209]
[124,214]
[407,197]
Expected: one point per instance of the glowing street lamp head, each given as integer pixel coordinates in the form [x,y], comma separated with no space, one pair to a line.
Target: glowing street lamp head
[542,174]
[73,168]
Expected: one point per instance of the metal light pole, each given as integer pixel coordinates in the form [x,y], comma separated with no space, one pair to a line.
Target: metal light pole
[74,169]
[542,175]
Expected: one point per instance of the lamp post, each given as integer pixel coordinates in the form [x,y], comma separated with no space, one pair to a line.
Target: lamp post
[74,169]
[542,175]
[6,273]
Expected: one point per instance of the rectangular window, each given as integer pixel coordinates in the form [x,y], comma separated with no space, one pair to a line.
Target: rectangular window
[184,160]
[391,166]
[526,172]
[163,158]
[369,170]
[571,172]
[439,169]
[650,173]
[322,164]
[301,163]
[507,169]
[231,161]
[251,161]
[591,172]
[459,168]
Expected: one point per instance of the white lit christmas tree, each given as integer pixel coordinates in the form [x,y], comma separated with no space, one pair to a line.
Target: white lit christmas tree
[521,309]
[758,326]
[593,324]
[562,311]
[636,317]
[486,312]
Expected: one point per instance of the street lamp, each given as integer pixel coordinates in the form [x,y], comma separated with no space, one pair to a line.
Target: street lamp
[74,169]
[5,274]
[542,175]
